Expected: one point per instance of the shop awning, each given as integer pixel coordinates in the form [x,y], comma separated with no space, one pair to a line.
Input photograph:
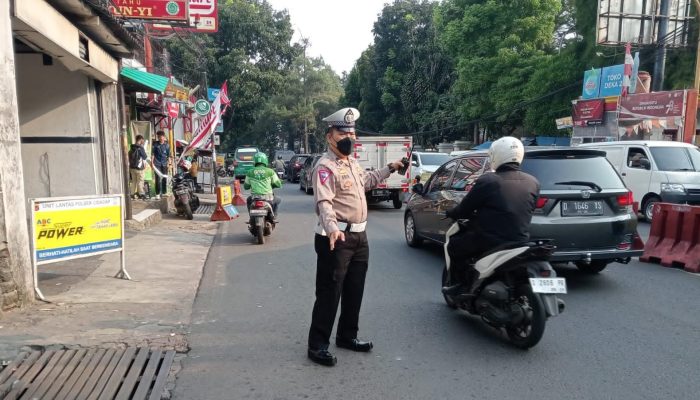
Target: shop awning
[141,81]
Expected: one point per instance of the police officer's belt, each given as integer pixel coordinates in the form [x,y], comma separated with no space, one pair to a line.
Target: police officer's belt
[344,227]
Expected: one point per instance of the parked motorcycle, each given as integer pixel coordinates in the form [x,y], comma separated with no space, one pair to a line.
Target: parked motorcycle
[186,202]
[516,289]
[262,218]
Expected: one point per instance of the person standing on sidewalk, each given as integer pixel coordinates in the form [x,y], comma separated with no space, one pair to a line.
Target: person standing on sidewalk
[160,158]
[341,241]
[137,167]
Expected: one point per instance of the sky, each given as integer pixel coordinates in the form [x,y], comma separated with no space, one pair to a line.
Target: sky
[338,30]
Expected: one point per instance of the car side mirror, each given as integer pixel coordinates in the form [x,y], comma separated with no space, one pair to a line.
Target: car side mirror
[418,188]
[414,163]
[645,163]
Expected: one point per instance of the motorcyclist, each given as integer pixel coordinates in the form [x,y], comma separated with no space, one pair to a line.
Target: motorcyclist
[278,164]
[261,180]
[499,208]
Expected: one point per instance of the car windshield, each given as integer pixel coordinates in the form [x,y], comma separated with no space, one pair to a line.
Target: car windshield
[245,154]
[695,156]
[301,159]
[673,159]
[434,159]
[550,170]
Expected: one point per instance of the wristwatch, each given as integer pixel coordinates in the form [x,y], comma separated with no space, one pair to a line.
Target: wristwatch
[391,167]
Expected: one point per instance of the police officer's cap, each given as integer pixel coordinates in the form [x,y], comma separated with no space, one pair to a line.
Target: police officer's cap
[344,119]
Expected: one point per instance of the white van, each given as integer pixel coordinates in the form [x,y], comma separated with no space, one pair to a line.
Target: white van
[656,170]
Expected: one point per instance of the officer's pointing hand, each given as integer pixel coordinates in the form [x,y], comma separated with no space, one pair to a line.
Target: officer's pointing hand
[334,236]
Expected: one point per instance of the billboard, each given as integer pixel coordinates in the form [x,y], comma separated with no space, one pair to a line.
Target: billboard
[588,112]
[611,80]
[203,18]
[637,22]
[155,10]
[591,84]
[652,105]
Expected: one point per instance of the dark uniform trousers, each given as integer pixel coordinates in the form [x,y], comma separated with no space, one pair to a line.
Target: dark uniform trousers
[340,274]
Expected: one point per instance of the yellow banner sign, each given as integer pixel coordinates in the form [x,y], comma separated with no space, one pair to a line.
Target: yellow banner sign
[72,228]
[225,196]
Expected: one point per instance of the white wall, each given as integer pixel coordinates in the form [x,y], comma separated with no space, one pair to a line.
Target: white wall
[55,103]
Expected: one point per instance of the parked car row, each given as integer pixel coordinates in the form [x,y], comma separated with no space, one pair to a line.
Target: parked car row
[305,176]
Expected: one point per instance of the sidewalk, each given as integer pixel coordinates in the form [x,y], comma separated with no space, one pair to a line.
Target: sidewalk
[89,307]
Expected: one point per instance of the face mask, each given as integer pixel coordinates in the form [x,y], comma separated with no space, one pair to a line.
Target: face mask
[345,146]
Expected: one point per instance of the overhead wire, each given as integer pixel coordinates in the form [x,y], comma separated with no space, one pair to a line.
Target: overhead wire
[485,118]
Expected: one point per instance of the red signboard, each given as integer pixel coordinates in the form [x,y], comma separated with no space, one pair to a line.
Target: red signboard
[158,10]
[652,105]
[204,18]
[588,112]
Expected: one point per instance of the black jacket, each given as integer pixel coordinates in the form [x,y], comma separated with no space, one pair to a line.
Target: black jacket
[141,153]
[500,205]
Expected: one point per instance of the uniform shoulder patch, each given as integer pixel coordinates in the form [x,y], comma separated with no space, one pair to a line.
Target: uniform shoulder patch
[323,175]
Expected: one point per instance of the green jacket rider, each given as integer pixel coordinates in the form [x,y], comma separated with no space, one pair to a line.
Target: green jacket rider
[261,180]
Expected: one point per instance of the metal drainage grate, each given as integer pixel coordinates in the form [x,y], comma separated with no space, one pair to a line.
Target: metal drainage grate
[131,373]
[205,209]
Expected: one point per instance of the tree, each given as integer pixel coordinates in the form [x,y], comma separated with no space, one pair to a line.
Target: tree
[498,46]
[251,51]
[401,83]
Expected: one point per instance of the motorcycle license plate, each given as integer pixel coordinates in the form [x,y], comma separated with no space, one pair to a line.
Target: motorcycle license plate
[181,191]
[258,212]
[548,285]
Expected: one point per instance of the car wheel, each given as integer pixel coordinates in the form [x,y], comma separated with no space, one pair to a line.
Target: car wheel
[397,202]
[301,187]
[593,267]
[648,207]
[411,234]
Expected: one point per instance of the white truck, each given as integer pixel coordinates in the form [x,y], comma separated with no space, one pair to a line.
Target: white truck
[375,152]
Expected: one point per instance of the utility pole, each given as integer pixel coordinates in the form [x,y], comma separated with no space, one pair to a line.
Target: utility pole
[697,50]
[660,63]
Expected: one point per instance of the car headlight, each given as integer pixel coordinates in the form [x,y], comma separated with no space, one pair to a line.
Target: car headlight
[672,187]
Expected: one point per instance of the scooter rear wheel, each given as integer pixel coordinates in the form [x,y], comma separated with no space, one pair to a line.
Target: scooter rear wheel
[530,332]
[446,281]
[261,235]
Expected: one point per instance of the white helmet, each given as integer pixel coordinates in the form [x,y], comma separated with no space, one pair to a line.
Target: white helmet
[506,150]
[185,164]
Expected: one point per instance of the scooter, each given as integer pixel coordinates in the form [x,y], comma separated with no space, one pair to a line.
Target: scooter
[186,202]
[262,218]
[516,288]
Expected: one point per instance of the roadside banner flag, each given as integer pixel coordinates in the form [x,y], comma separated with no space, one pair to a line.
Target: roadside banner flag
[629,66]
[203,136]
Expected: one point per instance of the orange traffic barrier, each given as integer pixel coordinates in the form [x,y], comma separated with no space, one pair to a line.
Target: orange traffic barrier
[225,211]
[674,239]
[238,199]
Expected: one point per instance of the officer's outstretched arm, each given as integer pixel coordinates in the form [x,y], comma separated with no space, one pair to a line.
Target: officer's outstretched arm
[374,178]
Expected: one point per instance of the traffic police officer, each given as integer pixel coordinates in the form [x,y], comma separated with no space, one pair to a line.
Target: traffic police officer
[341,242]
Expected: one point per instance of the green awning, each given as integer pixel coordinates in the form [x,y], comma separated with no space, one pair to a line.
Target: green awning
[141,81]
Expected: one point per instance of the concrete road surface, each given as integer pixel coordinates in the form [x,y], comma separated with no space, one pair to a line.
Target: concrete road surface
[632,332]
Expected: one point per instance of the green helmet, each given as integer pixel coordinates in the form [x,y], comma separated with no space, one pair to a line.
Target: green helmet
[260,158]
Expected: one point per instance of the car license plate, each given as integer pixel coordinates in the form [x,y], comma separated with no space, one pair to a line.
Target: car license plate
[258,212]
[380,192]
[548,285]
[581,208]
